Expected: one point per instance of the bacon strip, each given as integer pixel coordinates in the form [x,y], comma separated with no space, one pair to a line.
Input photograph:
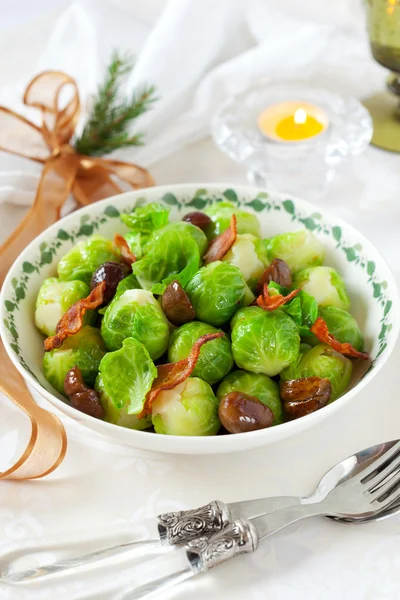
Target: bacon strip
[320,329]
[123,246]
[222,244]
[71,321]
[268,302]
[171,375]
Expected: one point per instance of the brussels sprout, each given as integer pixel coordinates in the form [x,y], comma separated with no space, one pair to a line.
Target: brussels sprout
[216,292]
[215,359]
[249,255]
[170,250]
[325,284]
[85,350]
[190,408]
[83,259]
[299,249]
[220,213]
[142,222]
[303,309]
[125,377]
[54,298]
[262,341]
[249,297]
[128,283]
[343,326]
[137,314]
[322,361]
[145,219]
[137,243]
[255,384]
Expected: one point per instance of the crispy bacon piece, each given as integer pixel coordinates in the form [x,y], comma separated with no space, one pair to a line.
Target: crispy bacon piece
[320,329]
[268,302]
[222,244]
[123,246]
[171,375]
[71,321]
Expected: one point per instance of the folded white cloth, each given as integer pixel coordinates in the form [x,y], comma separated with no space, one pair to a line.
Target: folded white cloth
[198,53]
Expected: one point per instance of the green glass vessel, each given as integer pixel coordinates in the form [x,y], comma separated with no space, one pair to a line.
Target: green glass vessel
[383,22]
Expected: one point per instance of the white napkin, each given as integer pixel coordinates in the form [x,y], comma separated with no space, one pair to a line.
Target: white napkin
[198,53]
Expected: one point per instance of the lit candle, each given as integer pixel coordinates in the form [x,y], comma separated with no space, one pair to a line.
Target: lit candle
[292,121]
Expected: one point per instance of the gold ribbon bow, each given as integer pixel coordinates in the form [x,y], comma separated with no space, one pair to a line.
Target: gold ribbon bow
[64,171]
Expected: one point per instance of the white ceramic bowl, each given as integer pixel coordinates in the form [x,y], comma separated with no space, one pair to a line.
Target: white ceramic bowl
[368,279]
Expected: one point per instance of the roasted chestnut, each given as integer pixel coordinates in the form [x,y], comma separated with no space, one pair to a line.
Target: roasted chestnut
[239,412]
[112,273]
[306,395]
[81,396]
[176,304]
[201,220]
[277,271]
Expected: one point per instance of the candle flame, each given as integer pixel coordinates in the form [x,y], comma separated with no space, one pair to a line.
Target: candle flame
[300,116]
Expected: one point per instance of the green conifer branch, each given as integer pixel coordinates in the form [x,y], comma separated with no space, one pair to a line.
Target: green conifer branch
[107,128]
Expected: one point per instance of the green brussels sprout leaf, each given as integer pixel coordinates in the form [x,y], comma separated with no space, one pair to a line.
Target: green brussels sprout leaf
[146,219]
[185,275]
[137,243]
[170,250]
[221,212]
[137,314]
[126,376]
[85,258]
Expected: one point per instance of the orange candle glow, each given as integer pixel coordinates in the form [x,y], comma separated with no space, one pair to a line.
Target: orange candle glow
[292,121]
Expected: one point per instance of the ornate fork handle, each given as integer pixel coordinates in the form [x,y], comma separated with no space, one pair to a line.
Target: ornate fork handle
[198,556]
[238,537]
[179,528]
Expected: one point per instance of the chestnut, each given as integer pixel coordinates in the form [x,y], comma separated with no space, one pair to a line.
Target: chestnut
[201,220]
[176,304]
[240,412]
[277,271]
[112,273]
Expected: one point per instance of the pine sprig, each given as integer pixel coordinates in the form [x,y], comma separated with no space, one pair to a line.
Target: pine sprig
[107,128]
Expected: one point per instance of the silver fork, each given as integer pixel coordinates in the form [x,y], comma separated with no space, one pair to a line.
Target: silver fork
[345,489]
[179,528]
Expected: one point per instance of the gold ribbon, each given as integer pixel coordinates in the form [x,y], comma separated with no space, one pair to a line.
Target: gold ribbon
[64,172]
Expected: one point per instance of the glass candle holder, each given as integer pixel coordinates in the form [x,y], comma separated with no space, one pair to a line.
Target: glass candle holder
[295,165]
[383,22]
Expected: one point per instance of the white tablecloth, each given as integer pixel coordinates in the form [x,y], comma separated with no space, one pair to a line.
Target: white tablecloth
[99,483]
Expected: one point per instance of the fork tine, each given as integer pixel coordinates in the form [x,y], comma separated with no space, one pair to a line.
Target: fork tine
[380,463]
[387,473]
[384,492]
